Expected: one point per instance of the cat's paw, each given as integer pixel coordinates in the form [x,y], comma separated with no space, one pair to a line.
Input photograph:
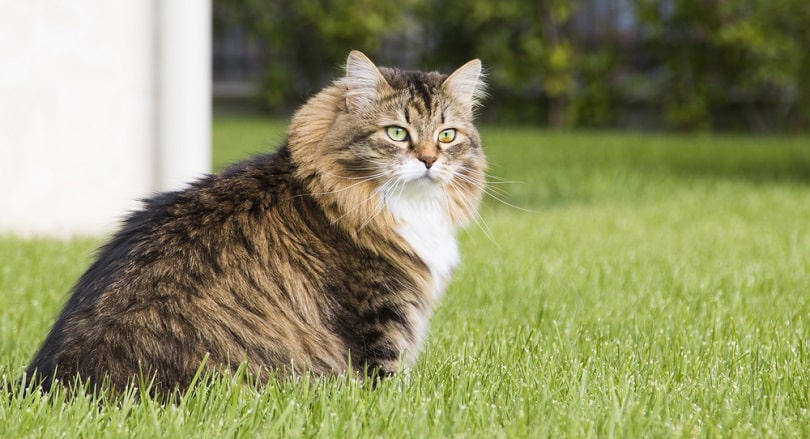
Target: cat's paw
[375,371]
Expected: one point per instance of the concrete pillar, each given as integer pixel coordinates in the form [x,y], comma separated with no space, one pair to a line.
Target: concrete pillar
[184,108]
[101,103]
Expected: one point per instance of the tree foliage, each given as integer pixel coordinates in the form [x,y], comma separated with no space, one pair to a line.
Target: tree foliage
[521,41]
[700,63]
[718,53]
[306,39]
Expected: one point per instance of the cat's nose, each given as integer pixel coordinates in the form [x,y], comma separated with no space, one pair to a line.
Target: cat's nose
[428,160]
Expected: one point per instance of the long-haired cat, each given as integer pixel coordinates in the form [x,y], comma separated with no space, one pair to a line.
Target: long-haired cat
[325,256]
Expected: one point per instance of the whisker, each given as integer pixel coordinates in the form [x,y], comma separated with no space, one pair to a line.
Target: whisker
[375,212]
[506,203]
[391,188]
[477,218]
[337,191]
[359,205]
[374,166]
[499,180]
[494,193]
[379,207]
[364,177]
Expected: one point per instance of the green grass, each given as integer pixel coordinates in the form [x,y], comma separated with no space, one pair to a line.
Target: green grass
[647,286]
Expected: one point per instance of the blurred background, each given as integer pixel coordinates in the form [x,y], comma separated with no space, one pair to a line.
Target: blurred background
[102,103]
[685,65]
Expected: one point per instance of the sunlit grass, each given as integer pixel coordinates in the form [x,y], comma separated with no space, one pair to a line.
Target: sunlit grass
[648,285]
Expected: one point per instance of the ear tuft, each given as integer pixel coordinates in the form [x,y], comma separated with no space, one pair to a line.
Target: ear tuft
[467,84]
[363,80]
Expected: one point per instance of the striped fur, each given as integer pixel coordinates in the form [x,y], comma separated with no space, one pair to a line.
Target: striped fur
[330,252]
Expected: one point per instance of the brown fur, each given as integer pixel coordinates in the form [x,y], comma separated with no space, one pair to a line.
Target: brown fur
[292,261]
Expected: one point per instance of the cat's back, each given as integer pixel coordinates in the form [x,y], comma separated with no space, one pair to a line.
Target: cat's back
[194,273]
[180,228]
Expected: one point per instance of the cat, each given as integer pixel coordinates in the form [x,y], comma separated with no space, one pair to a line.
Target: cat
[324,257]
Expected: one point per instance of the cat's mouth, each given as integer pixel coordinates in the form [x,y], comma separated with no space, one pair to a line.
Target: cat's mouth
[421,175]
[428,178]
[430,175]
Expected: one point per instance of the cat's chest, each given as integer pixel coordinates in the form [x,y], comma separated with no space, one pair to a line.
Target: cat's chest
[426,227]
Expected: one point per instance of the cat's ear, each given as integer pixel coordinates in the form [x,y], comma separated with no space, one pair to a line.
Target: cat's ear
[363,80]
[467,84]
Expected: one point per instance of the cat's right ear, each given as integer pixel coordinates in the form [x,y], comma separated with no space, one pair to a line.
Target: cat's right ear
[363,80]
[467,84]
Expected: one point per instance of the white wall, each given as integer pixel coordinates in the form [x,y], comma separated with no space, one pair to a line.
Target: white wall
[83,119]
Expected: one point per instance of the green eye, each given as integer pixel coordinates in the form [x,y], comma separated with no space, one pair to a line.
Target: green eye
[447,136]
[397,134]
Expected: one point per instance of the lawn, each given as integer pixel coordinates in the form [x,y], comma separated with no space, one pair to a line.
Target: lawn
[619,285]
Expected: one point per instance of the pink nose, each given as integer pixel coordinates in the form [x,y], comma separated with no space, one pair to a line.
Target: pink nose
[428,160]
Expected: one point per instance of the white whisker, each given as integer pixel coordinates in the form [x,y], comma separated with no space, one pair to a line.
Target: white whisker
[350,211]
[494,193]
[499,180]
[477,218]
[380,206]
[506,203]
[364,177]
[360,181]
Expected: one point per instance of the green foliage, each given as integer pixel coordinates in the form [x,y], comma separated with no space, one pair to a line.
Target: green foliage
[745,52]
[307,39]
[648,286]
[707,62]
[521,42]
[595,100]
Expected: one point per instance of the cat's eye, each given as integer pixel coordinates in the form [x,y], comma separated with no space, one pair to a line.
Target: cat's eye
[447,136]
[397,134]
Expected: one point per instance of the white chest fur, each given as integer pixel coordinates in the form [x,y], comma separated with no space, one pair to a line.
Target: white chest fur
[425,225]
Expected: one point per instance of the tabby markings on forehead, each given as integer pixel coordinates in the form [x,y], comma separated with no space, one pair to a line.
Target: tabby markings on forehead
[387,100]
[422,89]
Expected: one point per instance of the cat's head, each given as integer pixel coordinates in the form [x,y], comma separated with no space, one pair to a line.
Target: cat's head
[396,132]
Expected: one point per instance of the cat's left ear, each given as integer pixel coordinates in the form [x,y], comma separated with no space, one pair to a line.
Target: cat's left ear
[467,84]
[363,80]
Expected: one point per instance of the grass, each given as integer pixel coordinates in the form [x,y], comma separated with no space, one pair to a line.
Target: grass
[647,285]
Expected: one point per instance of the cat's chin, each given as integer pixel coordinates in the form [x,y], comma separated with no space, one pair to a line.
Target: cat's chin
[417,189]
[428,181]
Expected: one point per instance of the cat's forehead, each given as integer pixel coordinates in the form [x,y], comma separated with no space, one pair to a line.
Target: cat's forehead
[404,79]
[420,89]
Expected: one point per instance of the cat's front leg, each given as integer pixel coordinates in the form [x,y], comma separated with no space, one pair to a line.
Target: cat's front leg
[382,331]
[386,347]
[383,360]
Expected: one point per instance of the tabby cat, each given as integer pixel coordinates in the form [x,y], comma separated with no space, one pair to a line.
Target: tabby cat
[326,256]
